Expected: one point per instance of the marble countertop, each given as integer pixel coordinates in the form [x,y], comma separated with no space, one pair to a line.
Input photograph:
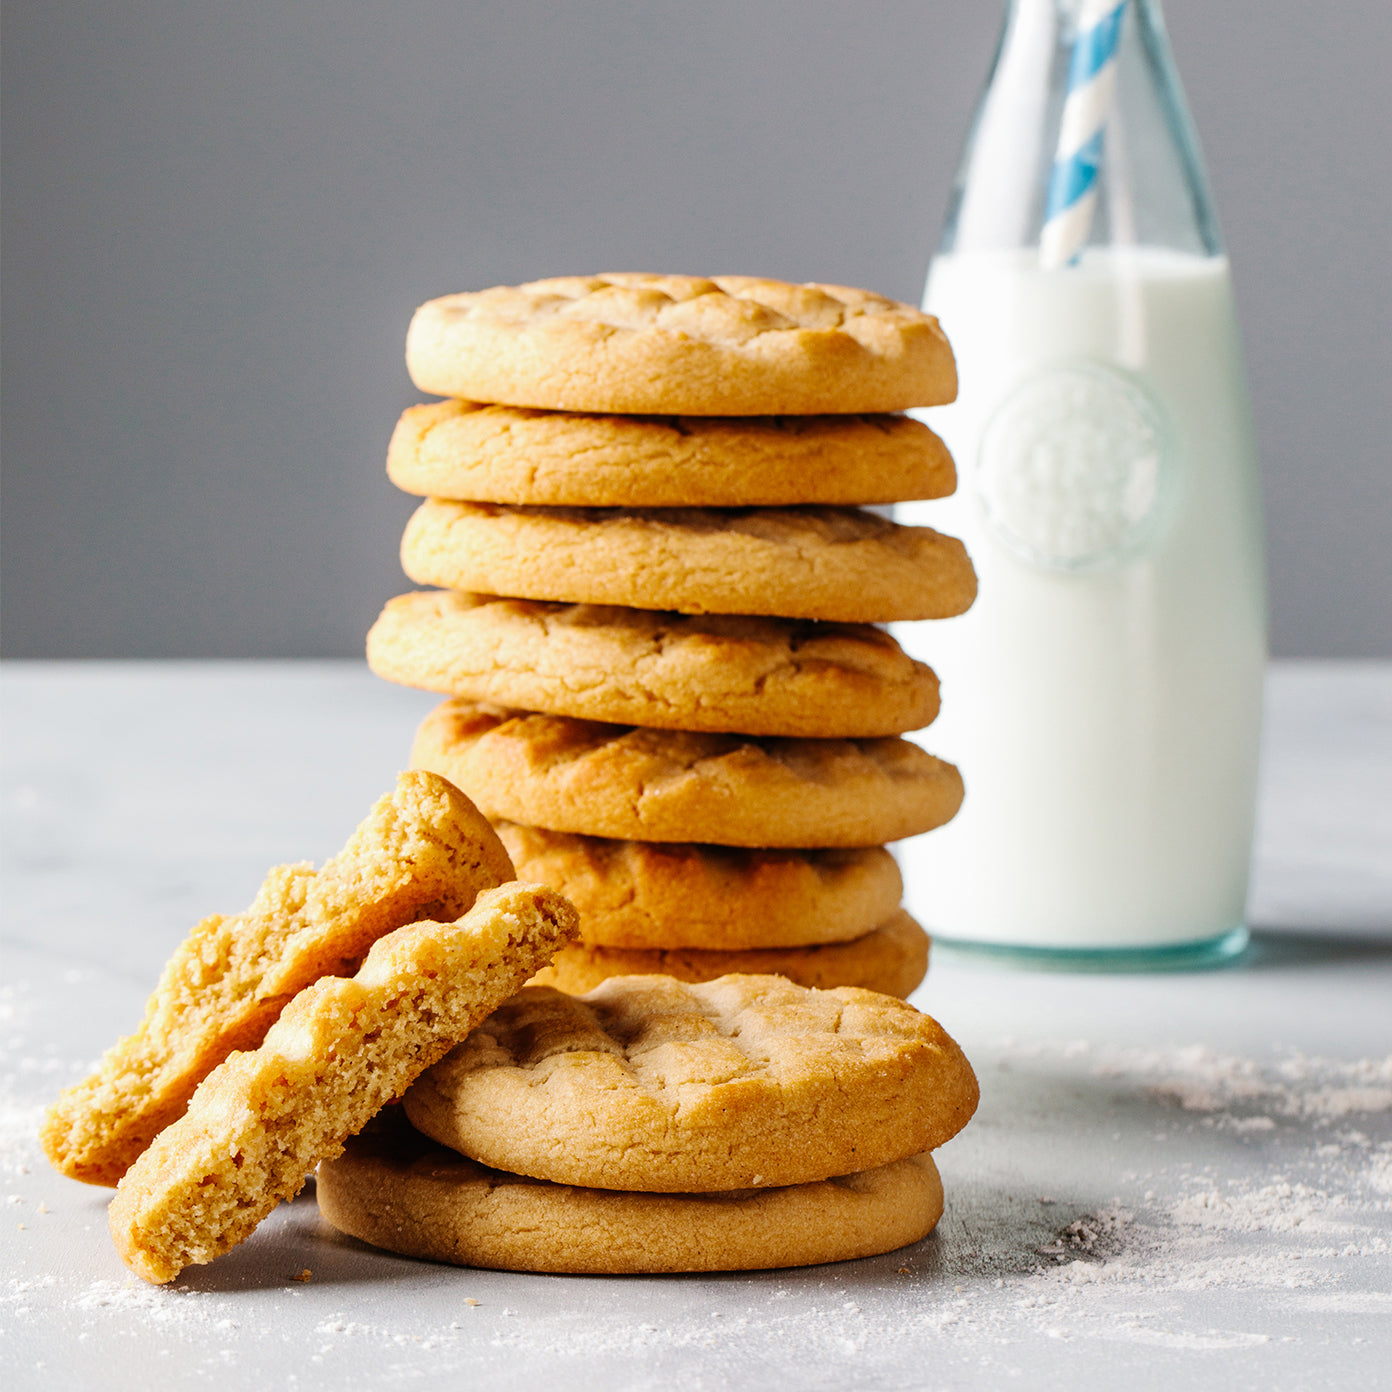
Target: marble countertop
[1179,1176]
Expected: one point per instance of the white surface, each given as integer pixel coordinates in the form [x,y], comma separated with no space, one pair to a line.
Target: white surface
[1101,696]
[1229,1193]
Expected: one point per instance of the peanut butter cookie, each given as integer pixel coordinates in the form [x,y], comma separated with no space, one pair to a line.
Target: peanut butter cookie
[891,959]
[681,345]
[341,1050]
[842,564]
[654,668]
[651,1084]
[513,454]
[395,1189]
[423,852]
[673,785]
[649,895]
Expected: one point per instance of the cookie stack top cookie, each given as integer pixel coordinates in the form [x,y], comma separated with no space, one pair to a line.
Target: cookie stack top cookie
[686,345]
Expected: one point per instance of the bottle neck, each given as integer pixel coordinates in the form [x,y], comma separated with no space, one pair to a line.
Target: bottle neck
[1093,81]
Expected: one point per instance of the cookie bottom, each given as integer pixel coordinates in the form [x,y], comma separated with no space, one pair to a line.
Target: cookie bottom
[397,1190]
[892,959]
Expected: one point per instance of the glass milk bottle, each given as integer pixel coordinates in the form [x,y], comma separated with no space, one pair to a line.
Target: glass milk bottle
[1103,696]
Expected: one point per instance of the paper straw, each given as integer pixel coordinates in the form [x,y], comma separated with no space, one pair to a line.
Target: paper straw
[1086,109]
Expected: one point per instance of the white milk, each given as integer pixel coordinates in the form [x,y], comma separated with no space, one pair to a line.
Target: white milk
[1102,697]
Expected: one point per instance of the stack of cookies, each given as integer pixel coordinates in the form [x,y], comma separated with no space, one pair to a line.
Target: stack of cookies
[656,623]
[659,585]
[656,1126]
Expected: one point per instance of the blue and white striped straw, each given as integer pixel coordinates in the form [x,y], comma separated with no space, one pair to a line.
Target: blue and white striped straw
[1086,109]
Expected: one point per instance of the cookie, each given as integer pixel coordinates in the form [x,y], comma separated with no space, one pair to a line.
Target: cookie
[891,959]
[674,785]
[423,852]
[396,1190]
[681,345]
[341,1050]
[513,454]
[652,1084]
[649,667]
[651,895]
[842,564]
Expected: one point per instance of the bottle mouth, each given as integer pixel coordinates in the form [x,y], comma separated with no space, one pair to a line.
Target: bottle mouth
[1066,153]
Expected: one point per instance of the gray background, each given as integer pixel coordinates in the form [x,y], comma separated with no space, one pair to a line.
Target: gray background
[219,217]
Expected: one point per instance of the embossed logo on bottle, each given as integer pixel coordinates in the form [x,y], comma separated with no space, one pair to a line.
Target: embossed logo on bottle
[1074,467]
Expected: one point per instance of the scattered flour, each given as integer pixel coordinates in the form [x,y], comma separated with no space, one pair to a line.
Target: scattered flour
[154,1304]
[1379,1172]
[1314,1199]
[1199,1079]
[1137,1333]
[1163,1266]
[1276,1207]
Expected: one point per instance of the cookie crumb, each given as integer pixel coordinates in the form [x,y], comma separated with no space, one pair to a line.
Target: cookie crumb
[469,1300]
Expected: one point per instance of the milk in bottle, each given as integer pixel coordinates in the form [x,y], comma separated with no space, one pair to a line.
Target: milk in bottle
[1102,697]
